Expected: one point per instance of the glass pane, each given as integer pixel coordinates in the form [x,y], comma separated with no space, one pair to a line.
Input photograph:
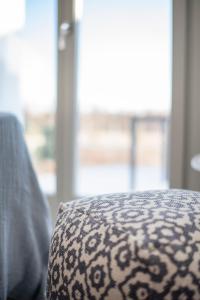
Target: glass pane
[124,95]
[28,81]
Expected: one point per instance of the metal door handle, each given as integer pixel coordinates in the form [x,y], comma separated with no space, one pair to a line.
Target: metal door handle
[65,30]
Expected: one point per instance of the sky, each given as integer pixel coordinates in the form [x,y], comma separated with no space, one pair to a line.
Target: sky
[124,55]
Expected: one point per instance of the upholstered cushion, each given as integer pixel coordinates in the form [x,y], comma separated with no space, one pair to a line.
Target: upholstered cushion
[143,245]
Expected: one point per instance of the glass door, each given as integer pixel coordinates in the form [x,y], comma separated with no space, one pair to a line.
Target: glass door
[124,88]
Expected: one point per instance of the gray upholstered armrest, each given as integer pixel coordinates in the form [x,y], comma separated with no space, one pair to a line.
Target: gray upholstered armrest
[24,218]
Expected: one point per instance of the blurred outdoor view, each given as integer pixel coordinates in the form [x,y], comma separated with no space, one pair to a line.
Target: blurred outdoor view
[123,87]
[124,95]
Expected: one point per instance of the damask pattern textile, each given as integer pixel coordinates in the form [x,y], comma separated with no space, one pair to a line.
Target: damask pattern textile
[143,245]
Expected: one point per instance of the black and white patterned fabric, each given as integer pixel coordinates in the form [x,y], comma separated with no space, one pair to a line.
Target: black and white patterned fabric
[143,245]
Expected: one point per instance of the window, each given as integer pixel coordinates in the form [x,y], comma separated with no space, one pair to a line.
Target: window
[112,97]
[28,77]
[124,96]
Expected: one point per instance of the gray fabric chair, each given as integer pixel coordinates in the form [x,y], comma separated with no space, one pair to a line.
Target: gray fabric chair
[24,219]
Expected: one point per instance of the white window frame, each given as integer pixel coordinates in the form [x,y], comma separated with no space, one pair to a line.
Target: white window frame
[66,121]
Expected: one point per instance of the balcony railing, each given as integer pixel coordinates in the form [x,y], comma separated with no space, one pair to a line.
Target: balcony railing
[163,123]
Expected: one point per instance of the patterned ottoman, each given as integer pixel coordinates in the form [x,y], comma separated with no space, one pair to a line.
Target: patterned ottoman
[143,245]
